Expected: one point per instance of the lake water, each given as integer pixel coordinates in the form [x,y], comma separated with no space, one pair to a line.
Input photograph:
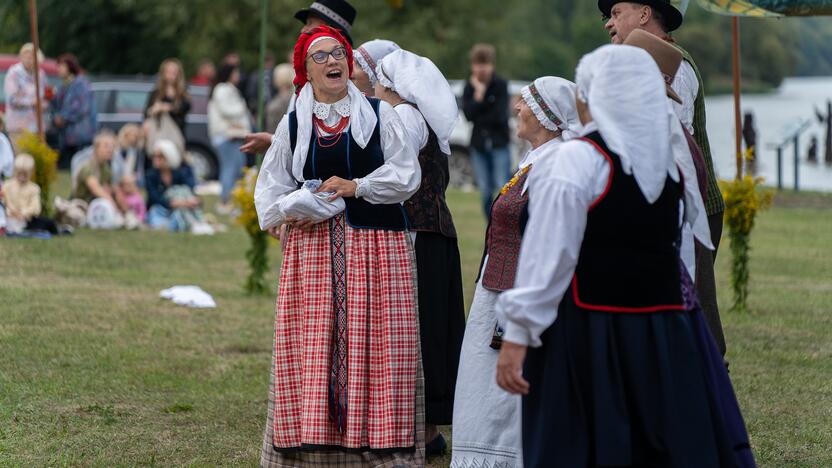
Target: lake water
[774,113]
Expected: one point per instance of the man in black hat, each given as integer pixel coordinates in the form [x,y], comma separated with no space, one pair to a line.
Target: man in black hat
[660,18]
[336,13]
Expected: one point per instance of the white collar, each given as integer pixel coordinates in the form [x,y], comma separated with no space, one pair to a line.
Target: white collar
[323,110]
[535,154]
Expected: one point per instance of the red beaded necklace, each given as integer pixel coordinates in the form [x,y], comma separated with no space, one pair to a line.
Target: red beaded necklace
[335,132]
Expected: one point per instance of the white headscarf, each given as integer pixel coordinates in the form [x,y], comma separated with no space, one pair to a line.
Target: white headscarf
[170,151]
[552,100]
[627,99]
[362,123]
[370,54]
[417,80]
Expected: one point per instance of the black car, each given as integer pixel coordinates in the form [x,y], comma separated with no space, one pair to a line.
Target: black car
[122,101]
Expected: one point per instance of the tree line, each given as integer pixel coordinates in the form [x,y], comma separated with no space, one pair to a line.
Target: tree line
[533,37]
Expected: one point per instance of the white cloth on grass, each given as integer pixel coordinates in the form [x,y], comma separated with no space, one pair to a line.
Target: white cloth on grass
[189,296]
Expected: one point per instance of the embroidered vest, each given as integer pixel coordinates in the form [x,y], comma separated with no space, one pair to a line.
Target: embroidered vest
[629,259]
[507,221]
[713,202]
[427,210]
[348,160]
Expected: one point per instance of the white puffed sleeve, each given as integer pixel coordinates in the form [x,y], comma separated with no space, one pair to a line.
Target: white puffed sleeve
[414,124]
[275,179]
[400,175]
[561,190]
[687,87]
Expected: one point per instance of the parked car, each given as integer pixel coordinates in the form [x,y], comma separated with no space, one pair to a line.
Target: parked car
[49,66]
[119,101]
[462,171]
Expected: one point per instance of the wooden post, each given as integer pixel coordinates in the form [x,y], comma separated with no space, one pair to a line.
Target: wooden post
[33,24]
[735,55]
[797,162]
[780,167]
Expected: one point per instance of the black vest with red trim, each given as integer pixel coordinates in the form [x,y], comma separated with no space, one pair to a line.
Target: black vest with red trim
[506,224]
[347,160]
[427,210]
[629,259]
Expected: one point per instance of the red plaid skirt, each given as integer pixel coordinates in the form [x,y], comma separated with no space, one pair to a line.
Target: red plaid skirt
[382,342]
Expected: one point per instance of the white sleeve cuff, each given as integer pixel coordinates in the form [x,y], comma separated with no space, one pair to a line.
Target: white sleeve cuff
[362,187]
[517,334]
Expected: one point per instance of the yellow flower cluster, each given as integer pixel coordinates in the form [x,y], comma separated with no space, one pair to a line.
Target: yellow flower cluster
[243,199]
[742,202]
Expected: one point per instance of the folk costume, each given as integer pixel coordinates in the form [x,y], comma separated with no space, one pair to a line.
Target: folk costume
[429,113]
[487,419]
[346,381]
[687,84]
[617,371]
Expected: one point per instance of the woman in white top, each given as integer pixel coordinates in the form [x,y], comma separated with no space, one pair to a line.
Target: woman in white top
[616,372]
[346,375]
[419,92]
[228,122]
[486,418]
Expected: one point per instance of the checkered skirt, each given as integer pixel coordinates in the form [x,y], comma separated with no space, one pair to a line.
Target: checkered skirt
[382,351]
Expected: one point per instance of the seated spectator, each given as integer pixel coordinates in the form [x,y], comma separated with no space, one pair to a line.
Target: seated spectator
[93,179]
[130,198]
[21,198]
[205,73]
[171,202]
[129,157]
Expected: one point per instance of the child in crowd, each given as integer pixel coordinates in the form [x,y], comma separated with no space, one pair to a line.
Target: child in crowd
[130,198]
[21,198]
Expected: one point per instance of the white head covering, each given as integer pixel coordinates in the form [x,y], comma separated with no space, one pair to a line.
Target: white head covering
[370,53]
[552,100]
[627,99]
[417,80]
[362,123]
[170,152]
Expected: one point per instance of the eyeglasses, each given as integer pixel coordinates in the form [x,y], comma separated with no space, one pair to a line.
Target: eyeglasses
[339,53]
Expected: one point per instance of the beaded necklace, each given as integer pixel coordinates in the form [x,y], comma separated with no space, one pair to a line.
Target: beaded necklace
[335,132]
[511,183]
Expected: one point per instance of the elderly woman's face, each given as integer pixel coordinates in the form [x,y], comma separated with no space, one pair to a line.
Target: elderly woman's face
[330,77]
[361,79]
[160,162]
[527,124]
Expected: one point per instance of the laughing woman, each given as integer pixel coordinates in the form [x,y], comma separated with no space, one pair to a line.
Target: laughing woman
[487,419]
[347,385]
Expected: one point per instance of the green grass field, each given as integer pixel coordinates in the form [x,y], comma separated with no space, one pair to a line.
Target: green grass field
[96,370]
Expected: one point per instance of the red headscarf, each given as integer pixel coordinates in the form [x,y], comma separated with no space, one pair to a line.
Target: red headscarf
[302,48]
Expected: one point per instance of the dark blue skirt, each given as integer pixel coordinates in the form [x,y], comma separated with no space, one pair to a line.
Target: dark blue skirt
[630,390]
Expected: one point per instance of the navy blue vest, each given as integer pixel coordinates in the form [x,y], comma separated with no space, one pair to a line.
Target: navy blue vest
[348,161]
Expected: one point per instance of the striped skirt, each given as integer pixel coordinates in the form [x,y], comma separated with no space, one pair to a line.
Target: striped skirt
[346,357]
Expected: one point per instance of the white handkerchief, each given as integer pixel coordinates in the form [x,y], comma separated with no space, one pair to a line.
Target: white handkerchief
[306,203]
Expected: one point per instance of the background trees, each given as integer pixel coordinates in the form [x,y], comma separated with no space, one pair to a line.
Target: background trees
[533,37]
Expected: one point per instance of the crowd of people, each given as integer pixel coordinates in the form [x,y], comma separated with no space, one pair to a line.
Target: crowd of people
[593,338]
[144,160]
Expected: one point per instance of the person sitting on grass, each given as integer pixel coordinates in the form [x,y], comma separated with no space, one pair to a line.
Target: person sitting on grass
[171,202]
[21,197]
[128,196]
[93,177]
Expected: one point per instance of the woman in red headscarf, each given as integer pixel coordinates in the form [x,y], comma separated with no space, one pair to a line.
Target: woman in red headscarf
[347,383]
